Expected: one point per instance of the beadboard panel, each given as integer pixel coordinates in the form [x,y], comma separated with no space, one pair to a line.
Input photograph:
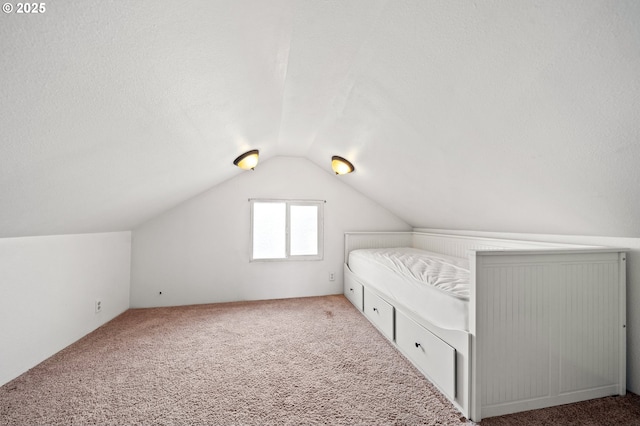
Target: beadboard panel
[514,333]
[547,329]
[589,300]
[458,247]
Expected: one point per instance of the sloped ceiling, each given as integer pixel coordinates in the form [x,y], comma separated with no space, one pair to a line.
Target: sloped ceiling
[515,116]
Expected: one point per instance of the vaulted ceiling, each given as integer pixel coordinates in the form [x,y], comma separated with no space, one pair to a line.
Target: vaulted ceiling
[518,116]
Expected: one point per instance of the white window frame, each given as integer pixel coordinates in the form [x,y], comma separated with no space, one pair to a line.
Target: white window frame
[288,255]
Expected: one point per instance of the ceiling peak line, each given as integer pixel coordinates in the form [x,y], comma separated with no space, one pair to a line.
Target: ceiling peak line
[363,54]
[284,52]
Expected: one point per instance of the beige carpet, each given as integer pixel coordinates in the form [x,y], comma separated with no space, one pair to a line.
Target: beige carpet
[296,361]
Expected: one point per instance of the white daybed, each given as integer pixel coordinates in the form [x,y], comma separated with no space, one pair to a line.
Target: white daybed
[540,324]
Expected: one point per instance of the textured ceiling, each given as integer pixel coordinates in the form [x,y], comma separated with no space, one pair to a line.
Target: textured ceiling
[518,116]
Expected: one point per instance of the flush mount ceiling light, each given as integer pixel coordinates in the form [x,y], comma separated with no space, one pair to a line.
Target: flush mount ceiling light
[248,160]
[341,166]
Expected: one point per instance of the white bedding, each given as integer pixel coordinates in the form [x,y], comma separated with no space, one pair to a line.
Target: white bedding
[432,285]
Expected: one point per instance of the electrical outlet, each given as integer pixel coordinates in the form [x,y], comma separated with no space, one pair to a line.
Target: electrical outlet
[332,276]
[98,306]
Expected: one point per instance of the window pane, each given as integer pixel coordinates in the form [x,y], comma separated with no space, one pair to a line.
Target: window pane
[269,230]
[304,230]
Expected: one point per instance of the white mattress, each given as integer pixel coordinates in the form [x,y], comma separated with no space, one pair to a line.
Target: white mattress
[432,285]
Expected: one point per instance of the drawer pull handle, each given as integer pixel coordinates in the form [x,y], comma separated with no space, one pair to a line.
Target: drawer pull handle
[418,345]
[351,290]
[375,309]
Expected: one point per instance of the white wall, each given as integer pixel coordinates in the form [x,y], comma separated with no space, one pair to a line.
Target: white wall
[633,284]
[199,251]
[49,286]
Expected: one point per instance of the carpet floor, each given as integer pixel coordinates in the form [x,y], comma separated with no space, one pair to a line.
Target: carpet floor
[294,361]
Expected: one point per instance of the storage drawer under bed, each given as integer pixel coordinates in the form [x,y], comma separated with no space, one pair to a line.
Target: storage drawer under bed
[353,290]
[433,356]
[379,313]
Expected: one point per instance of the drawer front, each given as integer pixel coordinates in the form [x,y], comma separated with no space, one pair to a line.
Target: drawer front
[434,357]
[379,312]
[353,291]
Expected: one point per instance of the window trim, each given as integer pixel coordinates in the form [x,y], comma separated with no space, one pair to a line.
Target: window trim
[288,255]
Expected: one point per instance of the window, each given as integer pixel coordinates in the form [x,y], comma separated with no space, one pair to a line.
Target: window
[286,230]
